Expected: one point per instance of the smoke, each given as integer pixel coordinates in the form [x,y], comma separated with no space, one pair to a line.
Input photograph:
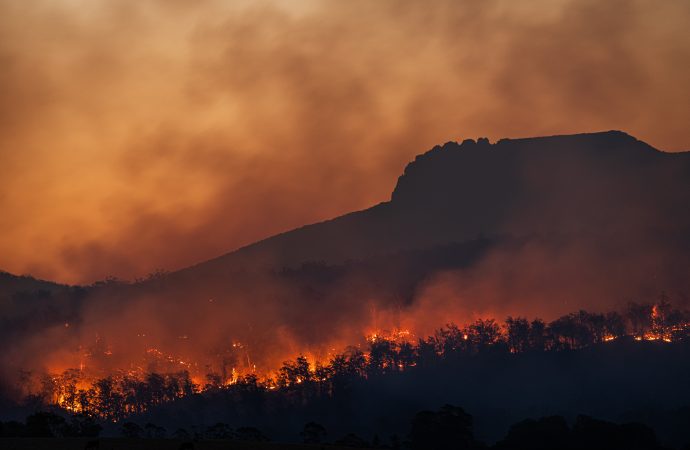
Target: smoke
[547,279]
[145,135]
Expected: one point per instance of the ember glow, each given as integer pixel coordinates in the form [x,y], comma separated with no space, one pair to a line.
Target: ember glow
[98,387]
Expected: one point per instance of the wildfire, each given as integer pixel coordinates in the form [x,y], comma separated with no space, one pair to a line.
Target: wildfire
[398,335]
[90,390]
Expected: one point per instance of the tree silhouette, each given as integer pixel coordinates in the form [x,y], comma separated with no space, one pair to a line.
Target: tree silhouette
[601,435]
[313,433]
[153,431]
[45,424]
[131,430]
[352,440]
[547,433]
[483,333]
[449,428]
[518,331]
[84,426]
[427,354]
[118,396]
[639,316]
[250,434]
[574,330]
[406,356]
[382,357]
[614,324]
[219,431]
[294,372]
[538,339]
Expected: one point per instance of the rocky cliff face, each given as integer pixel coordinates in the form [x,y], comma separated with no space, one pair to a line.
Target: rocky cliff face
[601,183]
[587,190]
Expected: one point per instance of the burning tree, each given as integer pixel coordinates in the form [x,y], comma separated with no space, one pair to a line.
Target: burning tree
[120,394]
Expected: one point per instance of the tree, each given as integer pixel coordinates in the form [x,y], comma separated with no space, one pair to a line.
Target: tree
[250,434]
[213,381]
[598,434]
[302,371]
[640,318]
[294,373]
[426,352]
[323,375]
[449,428]
[537,335]
[450,340]
[547,433]
[518,334]
[614,325]
[407,356]
[483,333]
[84,426]
[573,330]
[181,434]
[352,440]
[382,356]
[131,430]
[12,429]
[108,402]
[45,424]
[313,433]
[595,324]
[154,388]
[219,431]
[154,431]
[345,368]
[68,389]
[356,362]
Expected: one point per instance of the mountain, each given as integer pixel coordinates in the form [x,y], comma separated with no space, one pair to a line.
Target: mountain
[537,227]
[11,284]
[605,183]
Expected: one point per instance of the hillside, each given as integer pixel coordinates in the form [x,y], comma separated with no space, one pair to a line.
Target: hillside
[539,227]
[602,183]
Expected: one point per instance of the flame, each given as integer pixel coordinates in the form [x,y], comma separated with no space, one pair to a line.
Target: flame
[397,335]
[87,389]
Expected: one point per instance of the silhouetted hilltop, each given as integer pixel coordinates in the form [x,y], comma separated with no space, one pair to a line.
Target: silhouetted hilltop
[540,225]
[12,284]
[563,221]
[453,167]
[601,183]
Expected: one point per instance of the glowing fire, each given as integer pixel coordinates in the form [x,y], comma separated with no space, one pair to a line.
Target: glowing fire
[398,335]
[91,390]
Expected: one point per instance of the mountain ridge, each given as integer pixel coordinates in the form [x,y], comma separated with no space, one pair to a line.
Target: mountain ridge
[381,228]
[538,227]
[611,149]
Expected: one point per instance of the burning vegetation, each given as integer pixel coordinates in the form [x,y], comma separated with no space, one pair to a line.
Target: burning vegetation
[98,389]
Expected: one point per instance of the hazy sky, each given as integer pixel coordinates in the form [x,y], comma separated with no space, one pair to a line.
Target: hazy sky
[137,135]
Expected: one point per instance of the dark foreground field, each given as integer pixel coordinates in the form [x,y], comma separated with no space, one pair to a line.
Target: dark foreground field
[147,444]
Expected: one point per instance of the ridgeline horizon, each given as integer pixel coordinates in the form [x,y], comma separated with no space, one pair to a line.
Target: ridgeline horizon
[421,176]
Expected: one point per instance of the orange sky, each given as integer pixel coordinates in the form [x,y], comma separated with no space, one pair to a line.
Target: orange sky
[137,135]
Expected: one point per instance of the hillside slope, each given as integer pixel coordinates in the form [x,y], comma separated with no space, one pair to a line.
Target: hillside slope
[536,227]
[602,183]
